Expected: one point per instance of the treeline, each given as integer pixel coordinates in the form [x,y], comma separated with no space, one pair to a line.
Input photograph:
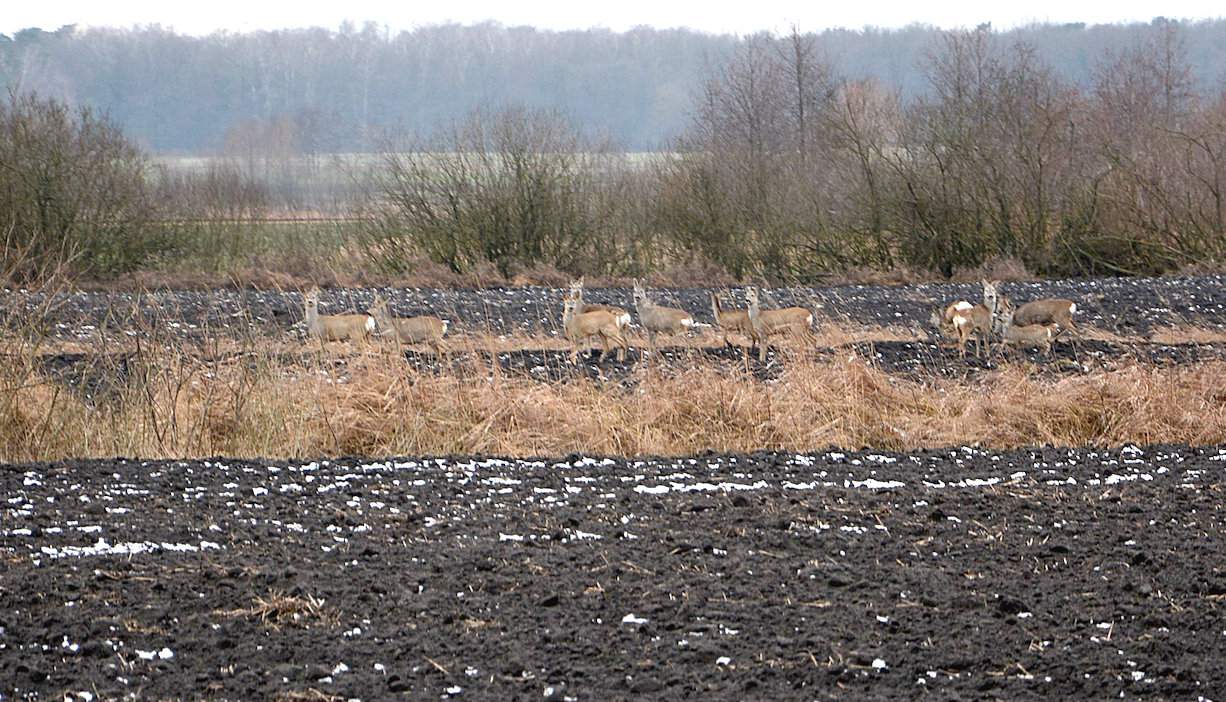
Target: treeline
[340,90]
[792,172]
[788,170]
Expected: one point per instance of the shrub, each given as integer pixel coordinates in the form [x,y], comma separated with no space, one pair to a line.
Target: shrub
[72,193]
[517,188]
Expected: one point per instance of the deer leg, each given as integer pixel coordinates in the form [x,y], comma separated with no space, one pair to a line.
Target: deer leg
[604,344]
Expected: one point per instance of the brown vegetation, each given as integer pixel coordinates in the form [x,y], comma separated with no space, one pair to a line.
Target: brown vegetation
[176,404]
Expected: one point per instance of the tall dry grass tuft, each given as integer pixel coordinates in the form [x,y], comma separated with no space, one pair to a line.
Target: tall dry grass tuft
[178,402]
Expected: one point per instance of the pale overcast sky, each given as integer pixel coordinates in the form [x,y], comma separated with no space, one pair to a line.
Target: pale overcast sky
[710,16]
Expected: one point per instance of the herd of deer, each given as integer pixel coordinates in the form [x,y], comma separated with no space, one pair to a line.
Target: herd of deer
[1036,323]
[582,321]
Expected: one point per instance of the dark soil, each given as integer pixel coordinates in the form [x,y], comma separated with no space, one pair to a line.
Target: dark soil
[1126,306]
[925,359]
[955,574]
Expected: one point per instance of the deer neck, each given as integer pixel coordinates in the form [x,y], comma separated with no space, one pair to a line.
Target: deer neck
[643,305]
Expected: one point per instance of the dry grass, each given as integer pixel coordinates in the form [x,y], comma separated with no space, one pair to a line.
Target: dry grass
[1187,335]
[262,404]
[310,694]
[277,609]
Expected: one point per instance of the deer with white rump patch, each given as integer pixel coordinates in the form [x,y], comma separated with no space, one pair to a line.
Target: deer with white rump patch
[1055,311]
[576,292]
[1047,312]
[1032,335]
[965,320]
[659,320]
[579,327]
[426,329]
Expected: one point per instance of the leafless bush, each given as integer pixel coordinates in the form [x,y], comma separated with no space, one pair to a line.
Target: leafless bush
[72,193]
[514,189]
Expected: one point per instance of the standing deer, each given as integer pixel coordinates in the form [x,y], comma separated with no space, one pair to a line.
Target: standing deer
[659,320]
[581,326]
[734,321]
[965,320]
[1056,311]
[765,323]
[1047,311]
[1034,335]
[576,292]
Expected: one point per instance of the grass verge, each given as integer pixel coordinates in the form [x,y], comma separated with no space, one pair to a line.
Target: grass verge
[171,403]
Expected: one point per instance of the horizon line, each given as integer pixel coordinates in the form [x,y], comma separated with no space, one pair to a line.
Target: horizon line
[386,29]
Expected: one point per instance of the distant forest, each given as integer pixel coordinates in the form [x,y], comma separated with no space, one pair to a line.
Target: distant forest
[339,90]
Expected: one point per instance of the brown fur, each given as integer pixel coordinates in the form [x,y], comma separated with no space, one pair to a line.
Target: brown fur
[408,330]
[579,327]
[766,323]
[335,327]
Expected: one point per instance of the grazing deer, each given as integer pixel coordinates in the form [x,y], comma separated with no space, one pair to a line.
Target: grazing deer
[659,320]
[409,330]
[576,292]
[736,321]
[579,327]
[765,323]
[1055,311]
[1047,311]
[1032,335]
[335,327]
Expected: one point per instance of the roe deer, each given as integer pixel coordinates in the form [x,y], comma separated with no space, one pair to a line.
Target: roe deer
[764,323]
[335,327]
[576,292]
[942,319]
[736,321]
[579,327]
[1050,310]
[1056,311]
[964,319]
[967,321]
[659,320]
[409,330]
[991,298]
[1034,335]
